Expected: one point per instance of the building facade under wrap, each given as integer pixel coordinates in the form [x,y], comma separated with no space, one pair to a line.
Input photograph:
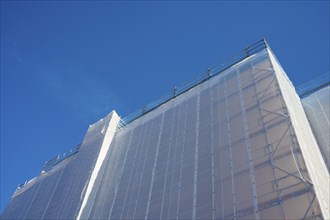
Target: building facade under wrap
[315,97]
[236,144]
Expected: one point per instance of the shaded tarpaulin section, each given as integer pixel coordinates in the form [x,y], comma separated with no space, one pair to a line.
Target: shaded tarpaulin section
[226,148]
[317,109]
[58,192]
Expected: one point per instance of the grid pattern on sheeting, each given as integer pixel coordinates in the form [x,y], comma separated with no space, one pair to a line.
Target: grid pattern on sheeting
[317,109]
[224,149]
[315,164]
[57,194]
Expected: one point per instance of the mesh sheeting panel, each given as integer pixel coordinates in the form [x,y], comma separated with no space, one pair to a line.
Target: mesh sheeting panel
[317,110]
[318,173]
[58,193]
[224,149]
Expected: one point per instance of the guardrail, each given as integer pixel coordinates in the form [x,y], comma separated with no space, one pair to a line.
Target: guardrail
[68,153]
[52,162]
[178,90]
[313,85]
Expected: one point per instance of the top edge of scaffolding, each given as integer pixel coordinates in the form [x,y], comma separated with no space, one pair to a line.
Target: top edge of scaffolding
[313,85]
[178,90]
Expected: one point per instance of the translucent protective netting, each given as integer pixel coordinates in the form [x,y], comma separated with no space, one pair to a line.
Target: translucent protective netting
[304,135]
[57,194]
[224,149]
[317,110]
[33,200]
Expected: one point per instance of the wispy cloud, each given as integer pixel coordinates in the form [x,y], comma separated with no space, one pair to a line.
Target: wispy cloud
[82,92]
[71,85]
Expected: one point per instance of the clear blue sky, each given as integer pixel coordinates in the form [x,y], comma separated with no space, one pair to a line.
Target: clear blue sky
[66,64]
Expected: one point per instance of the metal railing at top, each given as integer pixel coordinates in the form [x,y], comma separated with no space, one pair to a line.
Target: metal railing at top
[68,153]
[314,85]
[51,163]
[178,90]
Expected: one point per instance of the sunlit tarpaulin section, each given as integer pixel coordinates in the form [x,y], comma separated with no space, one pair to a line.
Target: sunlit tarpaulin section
[58,192]
[226,148]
